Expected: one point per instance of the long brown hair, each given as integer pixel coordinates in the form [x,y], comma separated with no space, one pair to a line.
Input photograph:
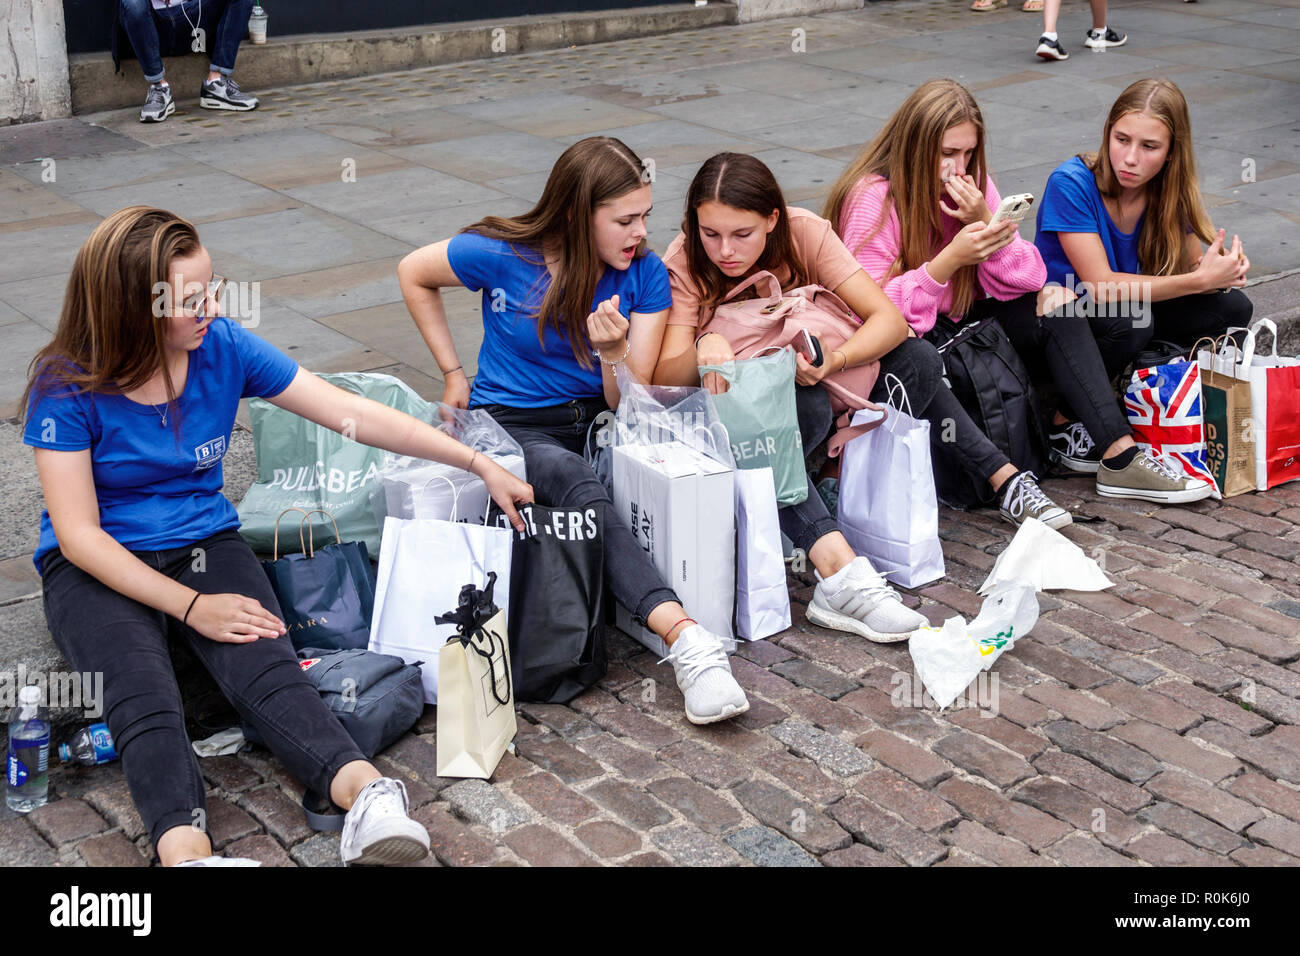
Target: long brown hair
[1174,202]
[591,173]
[906,153]
[742,182]
[110,337]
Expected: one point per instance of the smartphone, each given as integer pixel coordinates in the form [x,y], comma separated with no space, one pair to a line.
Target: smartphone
[806,344]
[1013,208]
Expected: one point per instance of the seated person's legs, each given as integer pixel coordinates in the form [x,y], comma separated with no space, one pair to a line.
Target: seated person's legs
[226,22]
[1191,317]
[142,30]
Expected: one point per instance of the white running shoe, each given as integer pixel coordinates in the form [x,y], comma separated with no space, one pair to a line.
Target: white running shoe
[378,832]
[699,660]
[864,604]
[221,861]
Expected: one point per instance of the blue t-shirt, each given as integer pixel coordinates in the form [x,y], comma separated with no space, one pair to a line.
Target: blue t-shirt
[512,369]
[155,492]
[1072,203]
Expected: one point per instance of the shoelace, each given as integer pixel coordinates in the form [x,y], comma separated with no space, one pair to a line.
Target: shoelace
[697,658]
[385,798]
[1159,466]
[1079,442]
[1026,493]
[873,587]
[232,88]
[156,96]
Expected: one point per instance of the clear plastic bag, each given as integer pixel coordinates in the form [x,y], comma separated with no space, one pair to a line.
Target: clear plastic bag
[654,414]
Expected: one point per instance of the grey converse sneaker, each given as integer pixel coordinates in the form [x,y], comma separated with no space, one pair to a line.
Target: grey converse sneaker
[377,830]
[699,660]
[158,104]
[224,93]
[863,604]
[1150,479]
[1022,498]
[1073,447]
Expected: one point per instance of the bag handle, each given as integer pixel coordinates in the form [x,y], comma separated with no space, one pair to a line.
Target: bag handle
[275,541]
[898,386]
[311,542]
[1266,324]
[766,277]
[455,494]
[490,655]
[1247,350]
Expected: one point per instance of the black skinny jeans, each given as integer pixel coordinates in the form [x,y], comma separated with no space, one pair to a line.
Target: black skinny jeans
[101,631]
[553,439]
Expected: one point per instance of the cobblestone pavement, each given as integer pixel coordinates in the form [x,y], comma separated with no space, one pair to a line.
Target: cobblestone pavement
[1153,723]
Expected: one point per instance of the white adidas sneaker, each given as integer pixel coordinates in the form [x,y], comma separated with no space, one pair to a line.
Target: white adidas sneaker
[703,672]
[858,600]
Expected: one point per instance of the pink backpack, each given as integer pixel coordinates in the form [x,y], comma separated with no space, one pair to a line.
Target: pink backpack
[752,325]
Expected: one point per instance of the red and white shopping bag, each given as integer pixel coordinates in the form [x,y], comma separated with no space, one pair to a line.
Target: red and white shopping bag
[1274,409]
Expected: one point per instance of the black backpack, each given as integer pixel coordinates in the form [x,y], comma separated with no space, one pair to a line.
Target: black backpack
[985,373]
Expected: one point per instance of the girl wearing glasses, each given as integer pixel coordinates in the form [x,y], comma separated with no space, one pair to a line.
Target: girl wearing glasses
[130,410]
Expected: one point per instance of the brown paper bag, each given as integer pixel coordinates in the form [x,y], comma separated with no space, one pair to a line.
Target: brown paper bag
[1229,438]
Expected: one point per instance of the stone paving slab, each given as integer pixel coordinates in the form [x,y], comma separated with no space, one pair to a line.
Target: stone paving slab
[1151,724]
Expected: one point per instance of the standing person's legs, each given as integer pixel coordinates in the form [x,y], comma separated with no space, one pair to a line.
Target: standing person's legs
[1049,43]
[103,632]
[1098,14]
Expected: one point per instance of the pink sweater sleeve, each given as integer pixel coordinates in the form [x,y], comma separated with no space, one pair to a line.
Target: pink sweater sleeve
[915,293]
[1014,269]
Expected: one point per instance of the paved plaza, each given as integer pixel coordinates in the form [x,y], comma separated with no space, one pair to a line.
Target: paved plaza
[1152,723]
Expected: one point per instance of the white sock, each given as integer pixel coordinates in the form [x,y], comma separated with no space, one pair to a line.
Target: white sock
[1050,36]
[1099,31]
[836,581]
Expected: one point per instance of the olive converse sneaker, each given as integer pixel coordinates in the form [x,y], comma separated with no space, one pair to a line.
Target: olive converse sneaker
[1150,479]
[1073,447]
[1021,498]
[703,672]
[857,599]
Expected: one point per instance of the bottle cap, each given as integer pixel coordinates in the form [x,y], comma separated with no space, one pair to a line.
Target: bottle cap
[31,694]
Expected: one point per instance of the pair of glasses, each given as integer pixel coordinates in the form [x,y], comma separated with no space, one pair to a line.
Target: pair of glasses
[197,306]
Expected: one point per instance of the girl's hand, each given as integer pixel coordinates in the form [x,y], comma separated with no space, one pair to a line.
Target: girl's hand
[607,330]
[1219,270]
[506,490]
[805,373]
[1052,297]
[976,241]
[969,201]
[233,619]
[713,349]
[455,389]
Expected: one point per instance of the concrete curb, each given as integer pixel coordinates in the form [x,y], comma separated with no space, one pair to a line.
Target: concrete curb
[311,58]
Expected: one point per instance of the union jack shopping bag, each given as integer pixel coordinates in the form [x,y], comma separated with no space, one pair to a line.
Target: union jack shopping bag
[1164,409]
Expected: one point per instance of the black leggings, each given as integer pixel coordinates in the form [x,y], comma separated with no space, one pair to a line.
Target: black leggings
[101,631]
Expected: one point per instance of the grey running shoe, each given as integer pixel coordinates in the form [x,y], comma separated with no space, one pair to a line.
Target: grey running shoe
[864,605]
[158,104]
[224,93]
[1022,498]
[1150,479]
[1100,41]
[1051,49]
[703,673]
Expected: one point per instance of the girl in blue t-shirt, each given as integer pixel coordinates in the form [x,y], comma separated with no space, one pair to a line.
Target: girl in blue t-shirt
[569,294]
[1123,229]
[130,410]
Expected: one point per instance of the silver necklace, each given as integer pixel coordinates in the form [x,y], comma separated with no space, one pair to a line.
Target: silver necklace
[161,414]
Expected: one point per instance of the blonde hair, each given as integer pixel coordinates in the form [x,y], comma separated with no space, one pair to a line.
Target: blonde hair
[1174,202]
[905,153]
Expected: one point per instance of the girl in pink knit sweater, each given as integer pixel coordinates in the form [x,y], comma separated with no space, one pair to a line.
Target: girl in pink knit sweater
[915,208]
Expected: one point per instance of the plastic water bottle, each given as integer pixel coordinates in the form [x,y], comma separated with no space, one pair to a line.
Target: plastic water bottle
[27,770]
[92,745]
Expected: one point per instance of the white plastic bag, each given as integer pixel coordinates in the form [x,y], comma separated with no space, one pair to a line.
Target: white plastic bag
[947,659]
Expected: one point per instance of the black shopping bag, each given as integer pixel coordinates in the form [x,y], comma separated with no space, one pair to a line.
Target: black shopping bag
[326,595]
[557,602]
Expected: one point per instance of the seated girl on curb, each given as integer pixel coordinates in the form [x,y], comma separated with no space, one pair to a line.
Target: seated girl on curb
[892,207]
[569,294]
[130,410]
[1125,225]
[737,223]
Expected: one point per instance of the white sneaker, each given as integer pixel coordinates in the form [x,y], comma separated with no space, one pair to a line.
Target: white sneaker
[221,861]
[857,599]
[699,660]
[377,830]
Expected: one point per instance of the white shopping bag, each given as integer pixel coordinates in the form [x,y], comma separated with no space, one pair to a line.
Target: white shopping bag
[762,592]
[476,706]
[680,504]
[887,506]
[423,563]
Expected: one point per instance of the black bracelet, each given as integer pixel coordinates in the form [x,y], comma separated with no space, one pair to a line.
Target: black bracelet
[190,608]
[450,370]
